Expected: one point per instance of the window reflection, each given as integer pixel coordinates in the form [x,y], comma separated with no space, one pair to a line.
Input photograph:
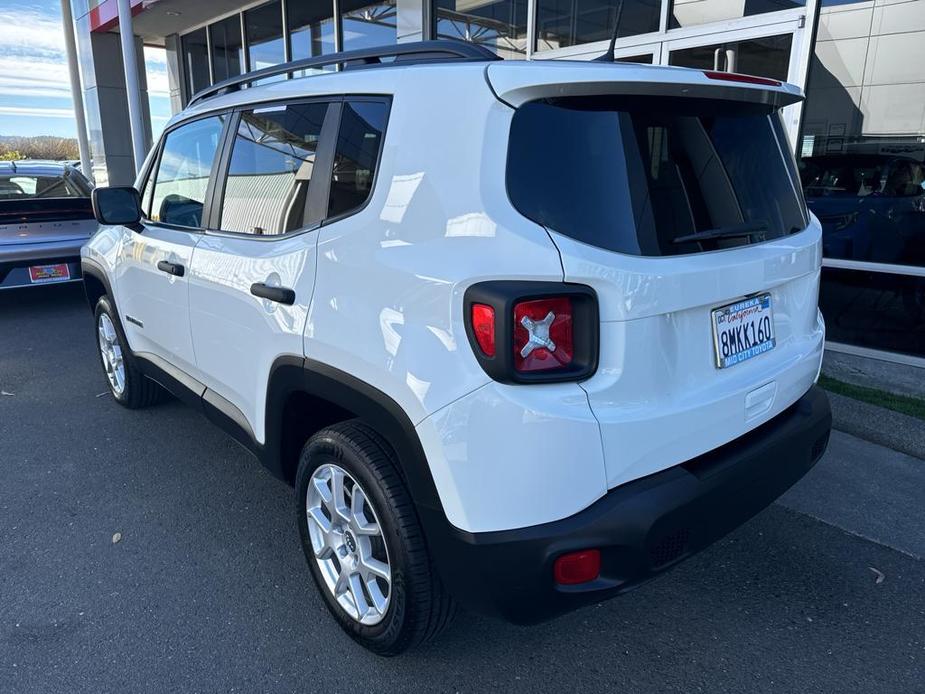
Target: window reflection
[563,23]
[195,61]
[768,56]
[311,29]
[271,169]
[367,25]
[874,310]
[500,25]
[685,13]
[264,28]
[227,53]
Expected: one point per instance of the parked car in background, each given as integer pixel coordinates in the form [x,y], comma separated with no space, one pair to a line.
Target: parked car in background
[871,206]
[45,217]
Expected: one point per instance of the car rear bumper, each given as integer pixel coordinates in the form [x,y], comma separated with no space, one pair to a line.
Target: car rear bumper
[641,528]
[15,260]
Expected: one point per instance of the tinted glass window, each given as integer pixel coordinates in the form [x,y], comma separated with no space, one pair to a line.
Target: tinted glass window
[22,186]
[311,29]
[685,13]
[227,53]
[368,24]
[637,175]
[570,22]
[264,28]
[358,143]
[768,56]
[195,61]
[183,174]
[500,25]
[271,168]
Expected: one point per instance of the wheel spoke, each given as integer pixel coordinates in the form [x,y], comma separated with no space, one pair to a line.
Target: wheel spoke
[375,567]
[343,582]
[317,516]
[361,525]
[359,598]
[338,502]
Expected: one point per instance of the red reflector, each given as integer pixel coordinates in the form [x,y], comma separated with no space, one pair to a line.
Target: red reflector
[483,327]
[577,567]
[736,77]
[543,336]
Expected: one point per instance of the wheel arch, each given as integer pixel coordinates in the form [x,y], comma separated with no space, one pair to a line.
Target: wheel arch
[96,284]
[304,396]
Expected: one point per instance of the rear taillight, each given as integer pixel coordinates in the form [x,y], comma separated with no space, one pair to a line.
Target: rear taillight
[736,77]
[533,332]
[543,338]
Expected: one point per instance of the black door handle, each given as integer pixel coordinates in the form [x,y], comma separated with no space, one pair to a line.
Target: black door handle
[281,295]
[174,269]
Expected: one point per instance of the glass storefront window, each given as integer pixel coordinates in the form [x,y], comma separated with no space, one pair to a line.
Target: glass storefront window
[874,310]
[367,25]
[563,23]
[264,28]
[227,53]
[311,29]
[685,13]
[500,25]
[195,61]
[768,56]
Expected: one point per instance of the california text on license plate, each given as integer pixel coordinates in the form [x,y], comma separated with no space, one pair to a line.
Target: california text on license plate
[41,274]
[743,330]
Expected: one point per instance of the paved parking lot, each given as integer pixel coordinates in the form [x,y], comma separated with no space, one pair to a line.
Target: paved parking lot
[208,589]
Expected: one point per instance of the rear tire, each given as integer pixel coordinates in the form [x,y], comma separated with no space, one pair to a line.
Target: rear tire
[127,385]
[416,607]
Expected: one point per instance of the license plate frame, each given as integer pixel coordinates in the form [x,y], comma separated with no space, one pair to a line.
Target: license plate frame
[747,325]
[46,274]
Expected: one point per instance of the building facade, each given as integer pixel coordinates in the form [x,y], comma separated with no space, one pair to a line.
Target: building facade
[859,137]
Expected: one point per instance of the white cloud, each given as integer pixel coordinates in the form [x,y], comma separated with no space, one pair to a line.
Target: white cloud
[36,111]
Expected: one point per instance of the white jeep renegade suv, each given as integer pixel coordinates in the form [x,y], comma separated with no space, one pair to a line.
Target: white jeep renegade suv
[521,334]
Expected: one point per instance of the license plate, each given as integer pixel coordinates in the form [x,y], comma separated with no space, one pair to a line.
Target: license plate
[743,330]
[42,274]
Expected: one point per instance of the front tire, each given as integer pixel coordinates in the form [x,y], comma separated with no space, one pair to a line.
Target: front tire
[364,543]
[127,385]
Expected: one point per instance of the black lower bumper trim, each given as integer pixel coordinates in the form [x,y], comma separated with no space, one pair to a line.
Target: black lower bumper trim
[641,528]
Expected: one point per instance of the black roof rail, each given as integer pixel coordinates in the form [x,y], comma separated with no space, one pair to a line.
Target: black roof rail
[444,50]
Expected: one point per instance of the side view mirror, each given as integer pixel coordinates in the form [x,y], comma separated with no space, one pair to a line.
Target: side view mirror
[117,206]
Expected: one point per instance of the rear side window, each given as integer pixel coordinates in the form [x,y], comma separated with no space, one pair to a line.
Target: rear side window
[271,169]
[183,173]
[654,176]
[356,155]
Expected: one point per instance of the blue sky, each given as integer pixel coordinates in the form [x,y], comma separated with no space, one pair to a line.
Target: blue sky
[35,93]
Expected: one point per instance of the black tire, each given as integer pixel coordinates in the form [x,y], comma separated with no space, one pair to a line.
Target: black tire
[419,607]
[139,391]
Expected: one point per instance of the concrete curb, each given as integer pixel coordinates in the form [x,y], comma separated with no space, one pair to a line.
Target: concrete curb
[878,425]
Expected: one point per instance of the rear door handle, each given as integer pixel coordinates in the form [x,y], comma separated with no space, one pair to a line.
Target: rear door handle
[281,295]
[174,269]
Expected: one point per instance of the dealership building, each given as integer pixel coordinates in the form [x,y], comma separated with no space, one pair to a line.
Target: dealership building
[859,136]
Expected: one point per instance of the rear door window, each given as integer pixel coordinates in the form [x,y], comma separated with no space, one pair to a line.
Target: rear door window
[272,167]
[356,155]
[654,176]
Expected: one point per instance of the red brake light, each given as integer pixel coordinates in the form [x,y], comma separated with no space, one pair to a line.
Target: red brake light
[483,326]
[543,334]
[577,567]
[736,77]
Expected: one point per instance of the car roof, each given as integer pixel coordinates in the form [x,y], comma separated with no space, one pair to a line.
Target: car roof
[34,167]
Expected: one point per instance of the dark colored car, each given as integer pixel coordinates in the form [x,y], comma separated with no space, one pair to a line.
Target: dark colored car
[872,206]
[45,217]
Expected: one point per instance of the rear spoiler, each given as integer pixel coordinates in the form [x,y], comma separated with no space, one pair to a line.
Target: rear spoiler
[517,82]
[30,210]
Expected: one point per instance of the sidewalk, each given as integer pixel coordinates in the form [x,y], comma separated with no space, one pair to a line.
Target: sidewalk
[866,490]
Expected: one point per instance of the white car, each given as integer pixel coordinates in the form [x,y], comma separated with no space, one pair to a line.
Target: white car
[521,334]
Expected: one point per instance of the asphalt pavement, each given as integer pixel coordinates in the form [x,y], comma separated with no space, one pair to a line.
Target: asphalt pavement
[208,591]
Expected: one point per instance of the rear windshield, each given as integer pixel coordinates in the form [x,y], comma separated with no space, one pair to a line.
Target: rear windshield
[24,186]
[654,176]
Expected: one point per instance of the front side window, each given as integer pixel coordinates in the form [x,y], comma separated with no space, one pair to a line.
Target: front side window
[654,176]
[359,141]
[183,173]
[272,162]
